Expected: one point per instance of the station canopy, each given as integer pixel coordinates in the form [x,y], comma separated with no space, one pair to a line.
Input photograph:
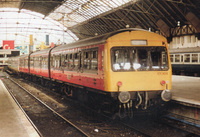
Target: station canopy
[71,20]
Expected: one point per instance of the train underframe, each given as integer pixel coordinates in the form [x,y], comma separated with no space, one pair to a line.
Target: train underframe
[186,69]
[142,102]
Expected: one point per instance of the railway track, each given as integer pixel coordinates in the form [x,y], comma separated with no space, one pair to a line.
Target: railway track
[101,125]
[93,123]
[51,116]
[181,122]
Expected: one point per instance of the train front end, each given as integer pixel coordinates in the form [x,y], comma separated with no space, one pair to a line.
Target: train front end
[138,70]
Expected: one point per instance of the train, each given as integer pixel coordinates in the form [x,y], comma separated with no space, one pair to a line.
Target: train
[185,61]
[124,71]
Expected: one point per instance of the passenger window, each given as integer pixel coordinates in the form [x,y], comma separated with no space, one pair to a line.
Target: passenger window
[66,61]
[94,62]
[76,61]
[89,60]
[194,58]
[71,61]
[36,62]
[45,61]
[86,62]
[62,60]
[187,58]
[172,58]
[26,62]
[32,62]
[41,61]
[51,61]
[57,61]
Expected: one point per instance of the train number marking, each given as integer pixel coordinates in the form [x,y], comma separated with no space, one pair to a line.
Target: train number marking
[162,73]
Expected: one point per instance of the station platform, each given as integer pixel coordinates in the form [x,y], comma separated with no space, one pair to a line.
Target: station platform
[13,122]
[186,90]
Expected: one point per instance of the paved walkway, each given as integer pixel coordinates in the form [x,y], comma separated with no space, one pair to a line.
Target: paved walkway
[13,122]
[186,89]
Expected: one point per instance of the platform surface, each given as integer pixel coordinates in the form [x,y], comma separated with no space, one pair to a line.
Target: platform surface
[13,122]
[186,89]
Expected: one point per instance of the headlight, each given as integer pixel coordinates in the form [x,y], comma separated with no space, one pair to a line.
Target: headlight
[166,95]
[124,96]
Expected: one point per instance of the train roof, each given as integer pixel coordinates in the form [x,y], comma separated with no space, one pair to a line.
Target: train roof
[23,56]
[45,51]
[184,50]
[94,40]
[14,57]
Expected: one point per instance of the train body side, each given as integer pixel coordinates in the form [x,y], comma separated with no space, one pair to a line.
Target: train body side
[39,63]
[80,72]
[185,61]
[125,65]
[23,64]
[13,64]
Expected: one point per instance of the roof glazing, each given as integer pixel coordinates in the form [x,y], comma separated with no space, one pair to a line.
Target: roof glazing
[70,20]
[73,12]
[18,26]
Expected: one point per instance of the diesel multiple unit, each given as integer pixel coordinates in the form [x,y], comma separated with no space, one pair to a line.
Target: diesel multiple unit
[128,68]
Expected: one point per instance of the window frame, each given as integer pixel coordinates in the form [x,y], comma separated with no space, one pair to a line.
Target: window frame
[88,60]
[148,62]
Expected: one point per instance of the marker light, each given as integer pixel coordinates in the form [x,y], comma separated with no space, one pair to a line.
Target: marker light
[162,82]
[119,83]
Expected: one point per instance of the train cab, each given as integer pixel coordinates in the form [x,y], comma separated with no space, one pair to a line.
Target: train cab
[137,65]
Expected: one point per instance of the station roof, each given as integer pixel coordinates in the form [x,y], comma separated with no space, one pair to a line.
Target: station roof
[87,18]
